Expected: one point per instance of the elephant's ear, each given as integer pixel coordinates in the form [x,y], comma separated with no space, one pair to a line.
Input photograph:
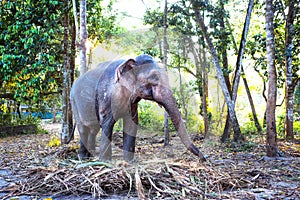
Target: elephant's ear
[123,68]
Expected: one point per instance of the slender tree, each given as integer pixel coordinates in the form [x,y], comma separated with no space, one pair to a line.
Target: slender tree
[199,56]
[271,141]
[83,37]
[66,87]
[223,50]
[204,91]
[181,87]
[289,86]
[75,15]
[165,61]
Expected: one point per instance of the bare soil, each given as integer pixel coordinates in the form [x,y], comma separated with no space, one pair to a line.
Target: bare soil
[31,168]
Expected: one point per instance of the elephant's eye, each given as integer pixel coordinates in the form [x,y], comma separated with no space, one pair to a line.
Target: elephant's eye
[153,78]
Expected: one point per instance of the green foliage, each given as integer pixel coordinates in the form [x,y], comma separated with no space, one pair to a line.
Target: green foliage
[247,146]
[297,102]
[281,129]
[150,117]
[154,17]
[297,129]
[194,123]
[192,119]
[118,126]
[101,21]
[257,43]
[280,126]
[9,119]
[31,53]
[249,129]
[30,61]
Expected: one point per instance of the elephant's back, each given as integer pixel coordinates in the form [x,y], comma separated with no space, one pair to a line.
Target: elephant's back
[103,72]
[83,91]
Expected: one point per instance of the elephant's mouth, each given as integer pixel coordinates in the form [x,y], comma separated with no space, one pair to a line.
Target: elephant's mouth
[134,99]
[145,92]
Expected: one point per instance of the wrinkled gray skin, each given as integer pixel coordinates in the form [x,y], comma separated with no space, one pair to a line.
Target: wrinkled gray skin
[112,91]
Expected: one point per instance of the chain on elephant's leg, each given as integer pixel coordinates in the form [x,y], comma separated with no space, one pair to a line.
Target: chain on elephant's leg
[129,138]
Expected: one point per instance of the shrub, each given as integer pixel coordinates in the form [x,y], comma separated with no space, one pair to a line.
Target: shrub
[150,116]
[297,129]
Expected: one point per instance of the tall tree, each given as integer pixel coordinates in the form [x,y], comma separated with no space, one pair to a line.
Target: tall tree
[204,72]
[271,141]
[201,65]
[289,83]
[66,126]
[75,15]
[165,61]
[223,49]
[83,37]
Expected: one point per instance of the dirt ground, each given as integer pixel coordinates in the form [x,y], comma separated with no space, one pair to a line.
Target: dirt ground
[35,167]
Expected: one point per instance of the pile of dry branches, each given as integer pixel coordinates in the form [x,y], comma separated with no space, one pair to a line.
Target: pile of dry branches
[155,180]
[38,170]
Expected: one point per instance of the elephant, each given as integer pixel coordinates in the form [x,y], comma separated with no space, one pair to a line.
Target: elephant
[112,91]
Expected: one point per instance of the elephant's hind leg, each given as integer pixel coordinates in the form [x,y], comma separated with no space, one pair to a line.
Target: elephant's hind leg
[83,153]
[87,140]
[93,131]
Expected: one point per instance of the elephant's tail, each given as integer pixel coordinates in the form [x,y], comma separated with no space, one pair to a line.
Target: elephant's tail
[72,134]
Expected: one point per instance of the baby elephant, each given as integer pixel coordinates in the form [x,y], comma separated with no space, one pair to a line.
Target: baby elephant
[112,91]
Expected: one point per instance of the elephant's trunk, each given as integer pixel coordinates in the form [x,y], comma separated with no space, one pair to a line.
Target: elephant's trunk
[169,103]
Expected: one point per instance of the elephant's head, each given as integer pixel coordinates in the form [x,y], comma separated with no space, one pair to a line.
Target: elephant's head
[151,83]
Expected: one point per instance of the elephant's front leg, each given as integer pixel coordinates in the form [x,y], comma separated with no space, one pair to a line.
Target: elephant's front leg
[106,137]
[129,137]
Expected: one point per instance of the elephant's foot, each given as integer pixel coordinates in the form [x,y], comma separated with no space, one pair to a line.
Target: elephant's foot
[84,154]
[105,158]
[105,153]
[129,156]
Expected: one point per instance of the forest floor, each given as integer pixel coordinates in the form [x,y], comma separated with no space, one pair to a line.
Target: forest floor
[35,167]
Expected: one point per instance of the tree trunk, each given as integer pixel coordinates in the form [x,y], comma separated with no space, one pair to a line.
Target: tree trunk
[165,61]
[271,142]
[83,37]
[65,97]
[227,128]
[71,74]
[201,76]
[75,14]
[219,74]
[182,97]
[181,89]
[54,111]
[289,36]
[161,57]
[204,93]
[18,109]
[258,127]
[238,70]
